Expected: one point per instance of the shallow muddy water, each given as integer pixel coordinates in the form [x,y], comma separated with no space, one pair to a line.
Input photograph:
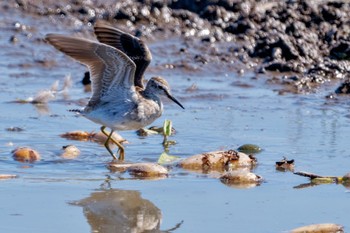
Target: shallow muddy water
[225,111]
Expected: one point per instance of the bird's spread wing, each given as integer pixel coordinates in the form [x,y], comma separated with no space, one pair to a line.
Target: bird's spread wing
[111,70]
[132,46]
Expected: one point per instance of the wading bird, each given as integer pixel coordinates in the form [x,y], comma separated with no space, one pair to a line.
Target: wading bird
[116,62]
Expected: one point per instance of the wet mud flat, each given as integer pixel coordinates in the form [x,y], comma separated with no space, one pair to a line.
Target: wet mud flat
[306,43]
[220,69]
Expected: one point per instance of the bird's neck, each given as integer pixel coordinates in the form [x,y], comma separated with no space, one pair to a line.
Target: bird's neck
[151,96]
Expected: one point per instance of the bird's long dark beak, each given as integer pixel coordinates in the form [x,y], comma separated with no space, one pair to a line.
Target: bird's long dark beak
[173,99]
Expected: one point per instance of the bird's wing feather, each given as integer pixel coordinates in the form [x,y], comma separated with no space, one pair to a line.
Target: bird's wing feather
[132,46]
[111,70]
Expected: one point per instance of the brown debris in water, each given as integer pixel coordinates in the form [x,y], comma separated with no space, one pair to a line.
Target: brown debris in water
[319,228]
[152,130]
[241,179]
[285,165]
[140,170]
[15,129]
[218,161]
[25,154]
[316,179]
[7,176]
[77,135]
[70,152]
[147,170]
[91,136]
[101,138]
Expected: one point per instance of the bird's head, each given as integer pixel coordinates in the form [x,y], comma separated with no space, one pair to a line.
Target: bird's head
[159,86]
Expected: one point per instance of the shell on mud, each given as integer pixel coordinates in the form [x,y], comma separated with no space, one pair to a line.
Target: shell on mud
[140,170]
[241,179]
[317,228]
[218,160]
[25,154]
[70,152]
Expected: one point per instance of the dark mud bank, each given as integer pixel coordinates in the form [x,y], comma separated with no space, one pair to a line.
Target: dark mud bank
[306,42]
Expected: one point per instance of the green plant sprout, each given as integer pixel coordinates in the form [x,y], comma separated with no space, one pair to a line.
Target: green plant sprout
[165,157]
[167,128]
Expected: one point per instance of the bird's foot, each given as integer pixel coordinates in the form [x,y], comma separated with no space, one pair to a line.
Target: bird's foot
[121,154]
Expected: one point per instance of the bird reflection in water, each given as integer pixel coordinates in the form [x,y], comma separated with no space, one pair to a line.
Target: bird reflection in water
[114,211]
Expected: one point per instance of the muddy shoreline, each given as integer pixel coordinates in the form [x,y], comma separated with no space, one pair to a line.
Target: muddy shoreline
[299,45]
[223,80]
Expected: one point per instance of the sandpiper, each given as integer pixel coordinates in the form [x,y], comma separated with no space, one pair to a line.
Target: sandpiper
[117,62]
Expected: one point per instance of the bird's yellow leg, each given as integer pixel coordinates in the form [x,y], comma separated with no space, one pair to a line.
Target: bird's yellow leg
[112,139]
[106,144]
